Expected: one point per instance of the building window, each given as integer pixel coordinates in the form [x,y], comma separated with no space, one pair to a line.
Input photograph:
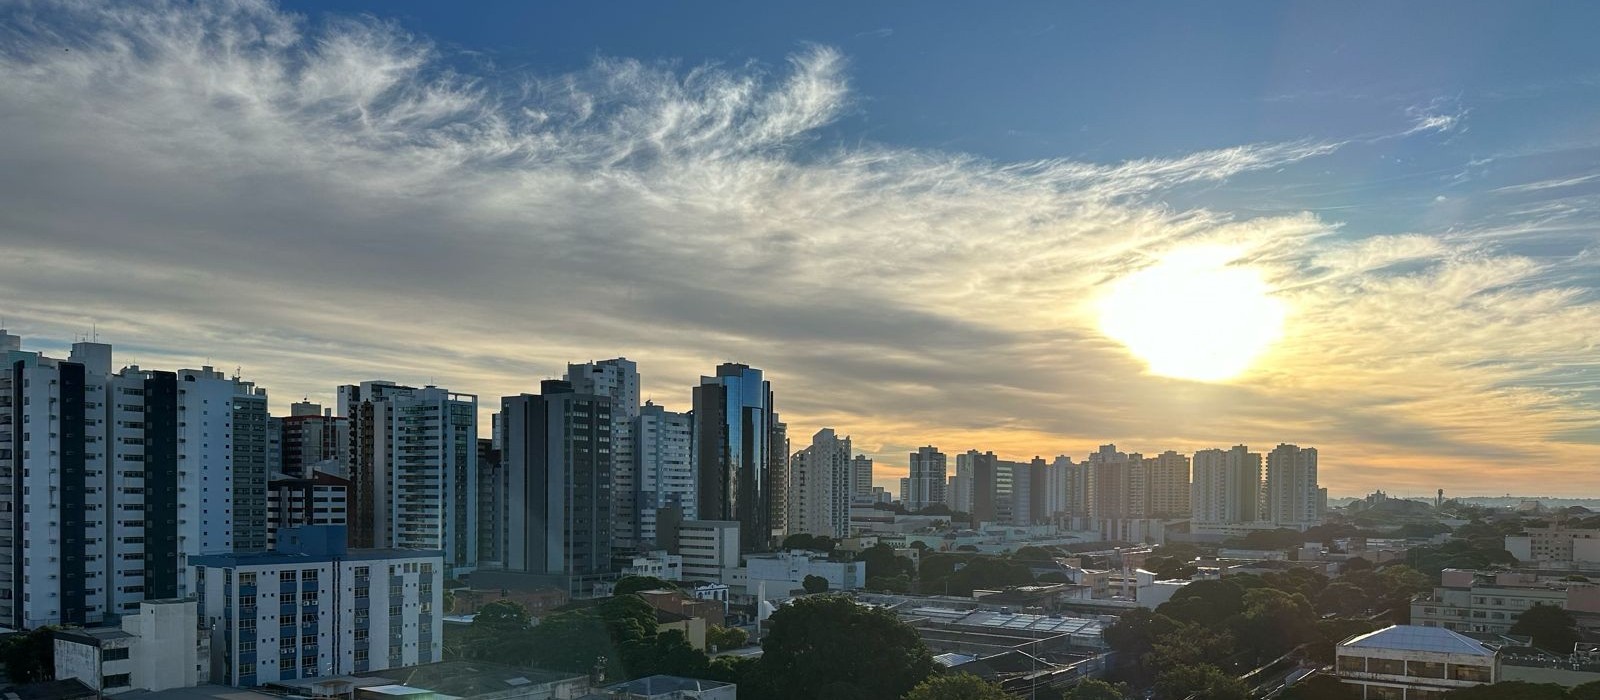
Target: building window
[247,579]
[1387,667]
[114,654]
[286,577]
[1425,669]
[1460,672]
[308,575]
[117,680]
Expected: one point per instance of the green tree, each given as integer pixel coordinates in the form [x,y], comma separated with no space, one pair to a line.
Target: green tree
[815,584]
[1206,602]
[1193,645]
[1210,682]
[958,686]
[667,653]
[618,629]
[1552,628]
[1342,598]
[1135,635]
[30,657]
[1033,554]
[500,632]
[628,585]
[725,638]
[882,562]
[1093,689]
[830,647]
[1273,622]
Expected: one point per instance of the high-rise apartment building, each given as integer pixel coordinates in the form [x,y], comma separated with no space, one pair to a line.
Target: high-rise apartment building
[738,453]
[1292,495]
[663,471]
[820,487]
[618,380]
[1013,492]
[958,491]
[861,468]
[415,471]
[491,501]
[108,482]
[310,438]
[557,452]
[1227,486]
[1160,486]
[987,505]
[778,464]
[1111,483]
[320,498]
[222,420]
[367,491]
[1038,473]
[927,478]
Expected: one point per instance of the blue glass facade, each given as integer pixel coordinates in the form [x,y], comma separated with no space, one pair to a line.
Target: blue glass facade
[734,426]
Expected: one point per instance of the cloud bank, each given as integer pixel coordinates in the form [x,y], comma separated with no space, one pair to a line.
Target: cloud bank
[332,202]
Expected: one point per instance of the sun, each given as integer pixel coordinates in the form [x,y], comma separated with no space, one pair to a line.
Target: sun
[1194,315]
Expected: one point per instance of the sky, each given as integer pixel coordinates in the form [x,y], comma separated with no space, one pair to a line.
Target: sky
[908,215]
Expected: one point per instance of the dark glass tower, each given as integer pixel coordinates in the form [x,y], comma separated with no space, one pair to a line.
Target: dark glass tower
[735,428]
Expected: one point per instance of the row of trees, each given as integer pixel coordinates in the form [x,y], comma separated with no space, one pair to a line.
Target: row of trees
[617,637]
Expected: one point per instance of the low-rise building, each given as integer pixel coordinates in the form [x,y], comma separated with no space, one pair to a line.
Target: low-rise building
[314,608]
[1408,662]
[1473,601]
[708,547]
[661,565]
[159,648]
[1556,546]
[782,572]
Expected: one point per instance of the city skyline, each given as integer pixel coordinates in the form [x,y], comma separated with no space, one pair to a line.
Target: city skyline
[323,200]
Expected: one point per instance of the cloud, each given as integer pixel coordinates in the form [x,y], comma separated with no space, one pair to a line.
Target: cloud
[1552,184]
[1441,115]
[327,202]
[880,33]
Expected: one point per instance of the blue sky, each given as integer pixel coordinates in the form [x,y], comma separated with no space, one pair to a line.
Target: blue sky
[1109,82]
[905,213]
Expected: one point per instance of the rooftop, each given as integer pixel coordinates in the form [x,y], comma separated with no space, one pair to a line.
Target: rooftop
[1418,638]
[469,678]
[656,685]
[281,558]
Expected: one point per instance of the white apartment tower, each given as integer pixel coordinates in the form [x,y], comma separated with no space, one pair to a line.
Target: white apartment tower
[820,486]
[1227,486]
[414,474]
[1293,498]
[618,380]
[927,478]
[663,470]
[92,465]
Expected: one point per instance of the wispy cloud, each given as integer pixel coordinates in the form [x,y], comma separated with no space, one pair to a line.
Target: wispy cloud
[329,203]
[1552,184]
[880,33]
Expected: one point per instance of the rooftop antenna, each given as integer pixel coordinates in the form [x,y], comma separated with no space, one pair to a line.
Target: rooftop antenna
[94,329]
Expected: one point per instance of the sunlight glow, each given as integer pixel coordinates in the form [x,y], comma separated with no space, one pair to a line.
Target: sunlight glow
[1193,315]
